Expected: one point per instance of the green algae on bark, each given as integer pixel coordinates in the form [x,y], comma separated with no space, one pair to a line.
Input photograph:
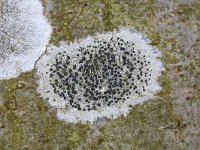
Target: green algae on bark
[27,121]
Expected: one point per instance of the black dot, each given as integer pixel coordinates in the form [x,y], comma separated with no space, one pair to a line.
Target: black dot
[74,67]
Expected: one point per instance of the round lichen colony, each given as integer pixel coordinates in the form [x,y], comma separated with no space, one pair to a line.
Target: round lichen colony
[102,74]
[99,74]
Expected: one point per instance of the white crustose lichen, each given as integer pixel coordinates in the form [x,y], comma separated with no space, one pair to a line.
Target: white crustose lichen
[100,76]
[24,34]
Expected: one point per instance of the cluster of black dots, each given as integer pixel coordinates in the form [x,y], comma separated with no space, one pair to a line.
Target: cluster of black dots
[105,73]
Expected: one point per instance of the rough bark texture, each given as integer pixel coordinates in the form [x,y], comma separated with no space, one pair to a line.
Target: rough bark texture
[172,121]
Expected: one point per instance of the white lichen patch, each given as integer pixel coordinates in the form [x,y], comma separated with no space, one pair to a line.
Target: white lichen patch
[24,34]
[100,76]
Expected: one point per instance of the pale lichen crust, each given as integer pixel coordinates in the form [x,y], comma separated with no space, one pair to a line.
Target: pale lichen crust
[24,34]
[100,76]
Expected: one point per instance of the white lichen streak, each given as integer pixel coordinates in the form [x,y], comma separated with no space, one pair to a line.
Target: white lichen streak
[78,107]
[24,34]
